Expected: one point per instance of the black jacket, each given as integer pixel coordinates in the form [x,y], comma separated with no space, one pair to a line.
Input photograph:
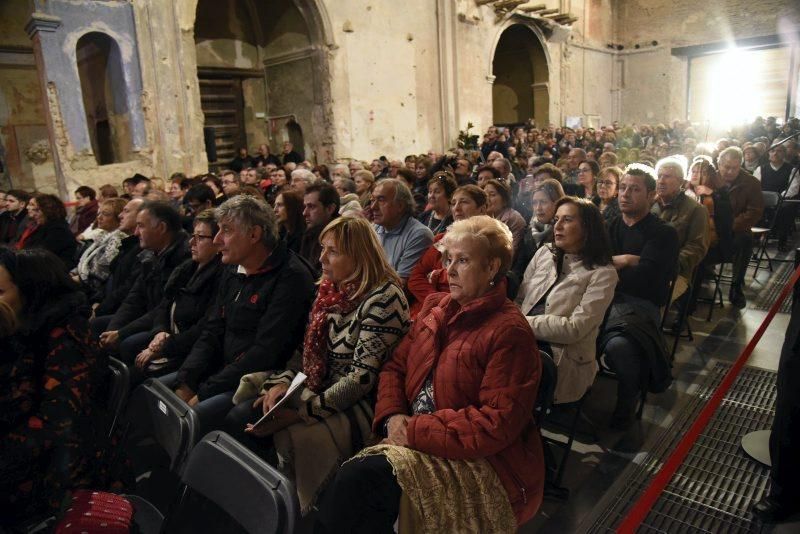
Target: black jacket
[192,293]
[137,310]
[124,270]
[310,249]
[10,225]
[56,237]
[257,322]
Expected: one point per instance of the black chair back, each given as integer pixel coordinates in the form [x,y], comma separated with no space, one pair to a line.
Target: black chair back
[239,483]
[156,412]
[120,387]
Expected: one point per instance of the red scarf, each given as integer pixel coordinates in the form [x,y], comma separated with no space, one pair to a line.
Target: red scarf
[25,235]
[329,300]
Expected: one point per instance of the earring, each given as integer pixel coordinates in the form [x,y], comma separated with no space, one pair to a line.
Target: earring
[491,283]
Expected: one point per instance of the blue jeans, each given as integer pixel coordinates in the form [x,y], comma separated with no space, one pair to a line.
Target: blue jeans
[211,412]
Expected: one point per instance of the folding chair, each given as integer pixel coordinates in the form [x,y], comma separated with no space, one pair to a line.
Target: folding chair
[253,495]
[772,204]
[120,387]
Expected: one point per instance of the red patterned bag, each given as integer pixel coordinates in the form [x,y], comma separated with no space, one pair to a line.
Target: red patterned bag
[96,512]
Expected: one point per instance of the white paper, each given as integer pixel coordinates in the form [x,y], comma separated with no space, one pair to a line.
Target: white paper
[298,381]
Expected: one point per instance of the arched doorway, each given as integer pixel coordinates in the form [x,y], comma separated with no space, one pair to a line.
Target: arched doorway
[263,76]
[520,90]
[104,99]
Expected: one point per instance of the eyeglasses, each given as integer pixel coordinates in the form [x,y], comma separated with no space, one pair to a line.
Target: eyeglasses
[198,237]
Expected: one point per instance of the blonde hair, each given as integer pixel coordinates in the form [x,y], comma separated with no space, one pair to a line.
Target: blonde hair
[355,238]
[491,235]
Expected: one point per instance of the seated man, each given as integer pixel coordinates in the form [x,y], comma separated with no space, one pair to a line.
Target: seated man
[645,254]
[166,246]
[259,315]
[687,216]
[747,205]
[403,238]
[320,206]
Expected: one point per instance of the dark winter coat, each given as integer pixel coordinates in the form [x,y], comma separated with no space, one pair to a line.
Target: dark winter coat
[56,237]
[125,270]
[256,323]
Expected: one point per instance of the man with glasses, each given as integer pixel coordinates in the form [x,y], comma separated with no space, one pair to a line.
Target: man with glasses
[230,183]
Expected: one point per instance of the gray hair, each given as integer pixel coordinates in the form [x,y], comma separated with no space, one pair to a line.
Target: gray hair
[677,163]
[305,175]
[341,169]
[347,184]
[249,211]
[732,152]
[402,194]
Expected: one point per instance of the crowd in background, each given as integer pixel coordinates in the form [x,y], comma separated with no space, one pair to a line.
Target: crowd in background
[419,297]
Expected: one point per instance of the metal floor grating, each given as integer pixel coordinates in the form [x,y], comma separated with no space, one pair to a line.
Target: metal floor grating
[717,484]
[768,295]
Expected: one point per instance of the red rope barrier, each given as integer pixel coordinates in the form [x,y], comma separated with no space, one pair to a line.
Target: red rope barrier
[646,501]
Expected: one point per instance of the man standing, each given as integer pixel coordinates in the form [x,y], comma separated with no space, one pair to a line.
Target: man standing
[259,315]
[264,158]
[320,206]
[747,206]
[645,254]
[404,239]
[688,217]
[242,160]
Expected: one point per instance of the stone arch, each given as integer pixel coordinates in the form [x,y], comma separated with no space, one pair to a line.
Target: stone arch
[519,69]
[105,97]
[277,62]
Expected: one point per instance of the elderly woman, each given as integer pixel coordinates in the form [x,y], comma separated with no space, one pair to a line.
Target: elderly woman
[440,190]
[428,275]
[179,319]
[49,229]
[565,293]
[498,195]
[606,197]
[455,405]
[49,416]
[359,316]
[94,266]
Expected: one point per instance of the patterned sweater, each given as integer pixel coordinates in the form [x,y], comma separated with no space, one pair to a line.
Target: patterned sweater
[358,345]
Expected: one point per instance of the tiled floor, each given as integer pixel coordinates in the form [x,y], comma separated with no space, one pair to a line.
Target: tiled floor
[594,467]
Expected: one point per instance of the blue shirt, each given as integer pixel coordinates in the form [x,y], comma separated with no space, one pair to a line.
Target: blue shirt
[405,244]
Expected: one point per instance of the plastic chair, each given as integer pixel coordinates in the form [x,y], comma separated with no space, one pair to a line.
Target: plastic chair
[250,491]
[154,411]
[120,387]
[772,204]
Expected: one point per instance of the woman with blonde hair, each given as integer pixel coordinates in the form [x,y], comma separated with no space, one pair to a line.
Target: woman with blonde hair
[455,406]
[365,182]
[359,316]
[94,265]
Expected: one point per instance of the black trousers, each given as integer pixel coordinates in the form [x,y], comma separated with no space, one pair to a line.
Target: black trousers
[235,423]
[742,251]
[631,366]
[785,439]
[364,498]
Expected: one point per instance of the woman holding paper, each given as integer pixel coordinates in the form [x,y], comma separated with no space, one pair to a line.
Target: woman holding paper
[359,316]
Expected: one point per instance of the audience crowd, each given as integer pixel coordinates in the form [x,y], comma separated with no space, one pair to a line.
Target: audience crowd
[418,297]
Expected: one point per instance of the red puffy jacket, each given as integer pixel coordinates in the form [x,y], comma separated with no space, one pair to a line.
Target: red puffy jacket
[486,378]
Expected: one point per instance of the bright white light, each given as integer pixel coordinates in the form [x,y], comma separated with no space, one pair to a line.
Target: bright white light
[733,98]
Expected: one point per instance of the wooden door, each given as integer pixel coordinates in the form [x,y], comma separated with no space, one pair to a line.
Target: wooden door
[222,103]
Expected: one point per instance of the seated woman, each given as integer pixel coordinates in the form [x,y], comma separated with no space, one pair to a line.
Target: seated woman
[50,423]
[498,194]
[359,316]
[428,275]
[49,229]
[606,197]
[365,183]
[440,190]
[545,195]
[188,294]
[587,179]
[455,404]
[289,214]
[94,266]
[565,293]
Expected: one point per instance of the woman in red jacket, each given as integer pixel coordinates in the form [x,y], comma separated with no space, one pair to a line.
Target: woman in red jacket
[461,452]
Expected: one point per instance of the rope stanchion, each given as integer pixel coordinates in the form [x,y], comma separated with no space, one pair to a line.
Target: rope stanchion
[646,501]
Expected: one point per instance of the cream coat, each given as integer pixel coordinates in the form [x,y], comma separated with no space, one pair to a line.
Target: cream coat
[573,313]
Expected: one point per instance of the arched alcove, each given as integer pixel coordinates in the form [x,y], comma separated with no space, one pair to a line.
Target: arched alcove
[104,97]
[520,90]
[260,63]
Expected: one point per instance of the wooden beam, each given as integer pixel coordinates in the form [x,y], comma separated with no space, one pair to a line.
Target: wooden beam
[531,9]
[547,12]
[483,2]
[508,4]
